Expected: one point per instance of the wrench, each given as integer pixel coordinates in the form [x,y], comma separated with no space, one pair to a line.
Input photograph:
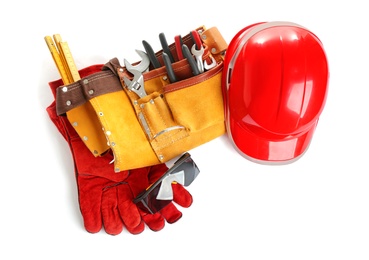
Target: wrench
[211,65]
[137,83]
[198,55]
[142,66]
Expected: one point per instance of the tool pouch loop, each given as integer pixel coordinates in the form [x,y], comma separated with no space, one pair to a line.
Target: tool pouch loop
[213,39]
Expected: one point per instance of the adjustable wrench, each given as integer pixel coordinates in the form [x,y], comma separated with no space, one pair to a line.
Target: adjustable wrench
[137,83]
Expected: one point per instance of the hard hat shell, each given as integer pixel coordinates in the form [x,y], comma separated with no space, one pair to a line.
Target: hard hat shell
[275,83]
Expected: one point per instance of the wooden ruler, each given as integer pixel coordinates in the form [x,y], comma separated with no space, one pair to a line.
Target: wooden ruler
[63,59]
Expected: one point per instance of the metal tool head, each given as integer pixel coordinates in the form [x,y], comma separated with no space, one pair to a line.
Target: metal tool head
[197,52]
[211,65]
[198,55]
[137,83]
[142,66]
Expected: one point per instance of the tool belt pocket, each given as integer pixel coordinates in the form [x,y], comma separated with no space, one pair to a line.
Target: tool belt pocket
[156,120]
[197,105]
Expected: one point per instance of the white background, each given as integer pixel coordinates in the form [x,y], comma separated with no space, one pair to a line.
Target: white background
[315,208]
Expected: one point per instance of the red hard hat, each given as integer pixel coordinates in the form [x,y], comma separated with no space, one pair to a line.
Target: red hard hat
[275,83]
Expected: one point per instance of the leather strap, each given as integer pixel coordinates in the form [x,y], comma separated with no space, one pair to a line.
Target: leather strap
[214,40]
[78,93]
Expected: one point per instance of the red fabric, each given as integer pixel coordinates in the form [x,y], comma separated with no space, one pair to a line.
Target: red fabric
[105,197]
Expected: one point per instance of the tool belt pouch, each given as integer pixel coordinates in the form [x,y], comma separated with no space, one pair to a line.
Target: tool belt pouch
[72,103]
[171,119]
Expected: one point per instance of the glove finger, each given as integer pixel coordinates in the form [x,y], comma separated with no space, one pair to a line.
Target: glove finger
[128,210]
[171,213]
[181,196]
[90,193]
[155,222]
[109,209]
[138,229]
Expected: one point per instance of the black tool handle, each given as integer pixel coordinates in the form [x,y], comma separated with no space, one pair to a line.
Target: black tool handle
[187,54]
[150,52]
[164,45]
[168,66]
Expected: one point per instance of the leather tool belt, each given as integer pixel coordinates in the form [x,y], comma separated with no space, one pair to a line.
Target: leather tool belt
[170,119]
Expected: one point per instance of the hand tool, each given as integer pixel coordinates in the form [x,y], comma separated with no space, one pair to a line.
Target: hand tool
[164,45]
[143,66]
[195,36]
[198,55]
[187,54]
[57,59]
[178,43]
[63,59]
[150,52]
[211,65]
[57,39]
[196,39]
[70,61]
[137,83]
[168,66]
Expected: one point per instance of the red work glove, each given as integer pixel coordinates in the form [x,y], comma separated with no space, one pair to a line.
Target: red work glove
[105,197]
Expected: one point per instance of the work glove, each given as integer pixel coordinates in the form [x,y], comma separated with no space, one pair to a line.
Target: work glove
[105,196]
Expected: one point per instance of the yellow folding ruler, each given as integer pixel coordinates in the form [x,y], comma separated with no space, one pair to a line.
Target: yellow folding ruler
[63,59]
[83,118]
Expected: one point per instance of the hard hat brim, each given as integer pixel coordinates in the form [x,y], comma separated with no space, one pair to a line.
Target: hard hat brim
[267,151]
